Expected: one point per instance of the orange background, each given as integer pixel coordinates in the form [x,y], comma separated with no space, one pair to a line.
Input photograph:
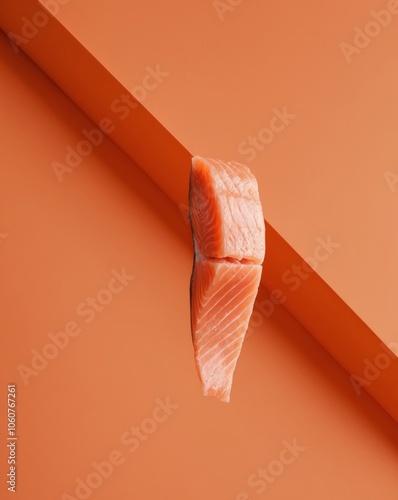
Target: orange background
[341,323]
[322,175]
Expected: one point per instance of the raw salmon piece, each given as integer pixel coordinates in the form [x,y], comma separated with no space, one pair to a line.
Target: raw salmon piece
[226,215]
[229,242]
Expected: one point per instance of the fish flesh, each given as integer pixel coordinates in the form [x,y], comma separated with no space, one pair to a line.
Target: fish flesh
[228,233]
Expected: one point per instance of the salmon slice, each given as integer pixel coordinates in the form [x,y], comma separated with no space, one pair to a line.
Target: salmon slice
[229,247]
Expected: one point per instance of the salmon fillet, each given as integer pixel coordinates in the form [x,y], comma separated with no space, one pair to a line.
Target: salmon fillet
[228,234]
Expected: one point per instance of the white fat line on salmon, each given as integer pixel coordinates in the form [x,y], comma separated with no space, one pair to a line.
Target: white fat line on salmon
[185,213]
[391,179]
[264,476]
[130,440]
[88,309]
[230,260]
[224,259]
[372,369]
